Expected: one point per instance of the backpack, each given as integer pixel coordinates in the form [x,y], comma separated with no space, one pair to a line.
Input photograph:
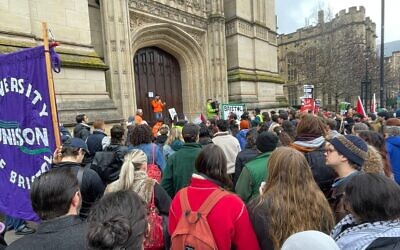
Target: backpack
[155,238]
[193,231]
[106,164]
[154,171]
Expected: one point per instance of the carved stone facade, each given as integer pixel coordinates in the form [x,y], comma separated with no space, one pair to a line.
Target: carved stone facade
[332,55]
[226,50]
[252,54]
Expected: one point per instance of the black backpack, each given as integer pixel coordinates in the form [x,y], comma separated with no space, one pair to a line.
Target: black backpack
[107,165]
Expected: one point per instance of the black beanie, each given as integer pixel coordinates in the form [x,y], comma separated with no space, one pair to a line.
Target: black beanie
[266,142]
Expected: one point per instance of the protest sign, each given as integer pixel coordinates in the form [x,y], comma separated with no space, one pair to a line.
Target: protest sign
[307,104]
[172,113]
[238,109]
[27,137]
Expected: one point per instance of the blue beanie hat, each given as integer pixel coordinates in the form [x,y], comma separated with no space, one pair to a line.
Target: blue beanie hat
[352,147]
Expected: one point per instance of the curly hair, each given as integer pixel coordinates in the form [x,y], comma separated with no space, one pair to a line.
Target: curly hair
[378,141]
[141,134]
[292,202]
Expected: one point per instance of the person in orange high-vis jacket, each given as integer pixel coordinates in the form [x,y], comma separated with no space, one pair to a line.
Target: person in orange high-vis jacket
[158,106]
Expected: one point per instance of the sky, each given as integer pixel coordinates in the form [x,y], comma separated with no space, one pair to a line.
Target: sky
[293,13]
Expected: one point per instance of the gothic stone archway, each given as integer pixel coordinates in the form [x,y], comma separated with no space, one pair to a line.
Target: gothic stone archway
[189,55]
[158,72]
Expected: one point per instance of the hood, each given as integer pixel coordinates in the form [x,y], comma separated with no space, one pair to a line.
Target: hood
[176,145]
[394,140]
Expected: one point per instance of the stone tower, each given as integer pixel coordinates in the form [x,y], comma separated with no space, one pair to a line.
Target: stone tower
[117,54]
[251,44]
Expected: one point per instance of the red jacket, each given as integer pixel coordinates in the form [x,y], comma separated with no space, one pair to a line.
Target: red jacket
[229,221]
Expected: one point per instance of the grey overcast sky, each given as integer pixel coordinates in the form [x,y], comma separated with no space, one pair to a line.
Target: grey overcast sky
[292,14]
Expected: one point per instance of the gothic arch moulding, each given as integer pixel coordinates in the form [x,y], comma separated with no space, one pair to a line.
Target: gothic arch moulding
[189,55]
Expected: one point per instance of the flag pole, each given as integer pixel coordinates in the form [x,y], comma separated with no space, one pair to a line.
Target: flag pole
[50,83]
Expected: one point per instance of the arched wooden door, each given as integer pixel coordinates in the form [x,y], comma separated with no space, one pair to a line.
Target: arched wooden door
[158,72]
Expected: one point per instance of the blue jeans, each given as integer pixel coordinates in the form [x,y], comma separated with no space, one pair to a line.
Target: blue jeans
[14,223]
[158,115]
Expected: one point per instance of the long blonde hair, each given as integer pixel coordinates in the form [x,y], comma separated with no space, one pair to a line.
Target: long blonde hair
[131,177]
[292,200]
[174,134]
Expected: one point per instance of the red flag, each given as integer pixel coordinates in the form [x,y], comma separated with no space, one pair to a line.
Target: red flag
[360,108]
[202,118]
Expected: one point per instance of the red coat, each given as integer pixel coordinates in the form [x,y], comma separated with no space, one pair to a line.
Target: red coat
[229,221]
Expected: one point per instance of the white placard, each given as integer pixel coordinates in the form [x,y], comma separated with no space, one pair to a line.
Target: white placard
[172,113]
[151,94]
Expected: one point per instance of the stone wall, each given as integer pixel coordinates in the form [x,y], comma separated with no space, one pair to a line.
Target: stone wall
[252,53]
[347,25]
[82,75]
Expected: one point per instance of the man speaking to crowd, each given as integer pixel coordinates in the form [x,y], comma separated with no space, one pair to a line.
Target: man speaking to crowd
[158,107]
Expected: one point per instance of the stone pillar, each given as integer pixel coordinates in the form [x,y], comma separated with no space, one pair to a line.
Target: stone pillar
[218,87]
[118,56]
[252,65]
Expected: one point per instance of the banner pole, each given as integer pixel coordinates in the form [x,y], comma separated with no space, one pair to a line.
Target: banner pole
[50,82]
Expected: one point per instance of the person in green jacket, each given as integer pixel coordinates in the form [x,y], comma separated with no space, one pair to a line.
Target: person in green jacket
[255,171]
[180,165]
[211,112]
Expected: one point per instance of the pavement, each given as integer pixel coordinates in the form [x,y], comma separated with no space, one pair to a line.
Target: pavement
[10,236]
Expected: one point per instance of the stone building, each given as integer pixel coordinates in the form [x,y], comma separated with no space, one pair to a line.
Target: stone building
[116,54]
[335,55]
[392,79]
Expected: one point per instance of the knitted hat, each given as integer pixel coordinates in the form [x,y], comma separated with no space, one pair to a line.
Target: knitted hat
[352,147]
[266,142]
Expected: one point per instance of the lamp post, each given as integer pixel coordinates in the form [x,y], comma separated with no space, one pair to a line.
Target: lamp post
[382,74]
[366,83]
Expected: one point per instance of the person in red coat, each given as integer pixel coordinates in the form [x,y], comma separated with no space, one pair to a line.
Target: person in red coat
[228,220]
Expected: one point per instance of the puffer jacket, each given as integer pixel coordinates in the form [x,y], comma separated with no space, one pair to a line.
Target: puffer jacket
[393,151]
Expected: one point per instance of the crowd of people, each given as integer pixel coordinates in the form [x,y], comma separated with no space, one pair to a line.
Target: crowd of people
[267,180]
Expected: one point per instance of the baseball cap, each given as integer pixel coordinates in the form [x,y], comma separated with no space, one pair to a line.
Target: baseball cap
[76,143]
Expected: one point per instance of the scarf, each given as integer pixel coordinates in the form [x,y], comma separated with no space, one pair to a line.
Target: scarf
[304,145]
[349,234]
[143,185]
[221,133]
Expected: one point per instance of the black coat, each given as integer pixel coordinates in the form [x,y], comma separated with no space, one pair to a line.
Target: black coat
[120,149]
[385,243]
[260,222]
[242,158]
[323,175]
[81,131]
[3,243]
[92,187]
[63,233]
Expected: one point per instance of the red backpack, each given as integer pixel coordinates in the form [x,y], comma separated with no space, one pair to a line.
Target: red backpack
[155,238]
[153,171]
[193,231]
